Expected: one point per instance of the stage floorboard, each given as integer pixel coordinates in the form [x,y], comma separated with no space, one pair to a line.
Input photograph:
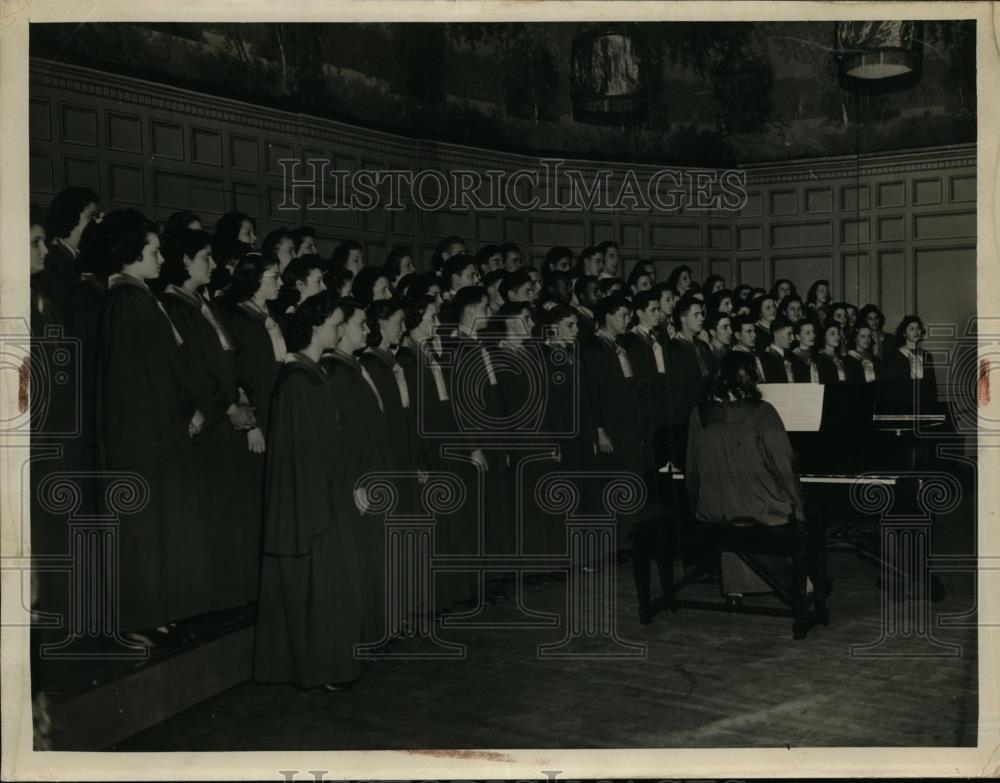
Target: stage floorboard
[706,679]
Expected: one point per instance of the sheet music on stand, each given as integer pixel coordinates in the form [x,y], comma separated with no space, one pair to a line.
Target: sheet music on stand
[800,405]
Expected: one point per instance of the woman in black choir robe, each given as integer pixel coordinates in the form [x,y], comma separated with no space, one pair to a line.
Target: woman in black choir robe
[72,225]
[208,350]
[909,370]
[311,610]
[259,352]
[764,310]
[300,279]
[804,367]
[829,361]
[838,313]
[436,427]
[146,420]
[385,325]
[817,301]
[860,364]
[882,342]
[362,416]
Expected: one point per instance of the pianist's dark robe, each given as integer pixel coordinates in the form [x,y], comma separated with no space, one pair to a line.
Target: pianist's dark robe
[454,531]
[227,505]
[257,369]
[310,613]
[364,438]
[144,415]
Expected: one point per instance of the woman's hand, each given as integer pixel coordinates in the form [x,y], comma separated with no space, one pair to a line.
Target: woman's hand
[604,442]
[194,426]
[255,440]
[241,417]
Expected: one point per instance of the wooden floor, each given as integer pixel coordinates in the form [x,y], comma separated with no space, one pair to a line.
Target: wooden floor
[705,680]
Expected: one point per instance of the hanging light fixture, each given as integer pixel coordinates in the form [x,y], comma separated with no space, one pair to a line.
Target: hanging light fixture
[878,56]
[608,76]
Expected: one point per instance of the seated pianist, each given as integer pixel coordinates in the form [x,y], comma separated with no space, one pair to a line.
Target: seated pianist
[740,473]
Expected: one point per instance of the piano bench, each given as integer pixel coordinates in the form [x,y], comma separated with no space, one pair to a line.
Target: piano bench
[751,542]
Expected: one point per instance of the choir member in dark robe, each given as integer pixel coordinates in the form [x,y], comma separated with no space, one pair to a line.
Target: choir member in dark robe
[745,340]
[775,359]
[719,328]
[398,264]
[838,313]
[398,449]
[279,246]
[519,364]
[147,417]
[909,382]
[457,272]
[362,416]
[311,610]
[478,406]
[764,309]
[239,226]
[611,396]
[668,301]
[209,355]
[860,364]
[259,352]
[803,356]
[689,370]
[302,277]
[226,252]
[564,415]
[829,360]
[648,360]
[817,301]
[50,592]
[76,292]
[429,378]
[587,291]
[679,280]
[874,319]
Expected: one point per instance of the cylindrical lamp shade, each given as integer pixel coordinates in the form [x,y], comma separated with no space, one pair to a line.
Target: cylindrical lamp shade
[876,57]
[607,82]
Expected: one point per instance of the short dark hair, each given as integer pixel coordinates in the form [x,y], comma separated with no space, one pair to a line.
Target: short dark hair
[684,305]
[311,313]
[364,284]
[870,308]
[186,242]
[581,284]
[606,244]
[780,323]
[513,281]
[466,297]
[455,265]
[508,247]
[342,251]
[65,210]
[229,224]
[414,309]
[555,255]
[713,319]
[757,305]
[901,329]
[128,232]
[299,235]
[739,321]
[269,247]
[298,270]
[393,261]
[714,300]
[380,311]
[178,221]
[494,277]
[247,276]
[643,299]
[609,305]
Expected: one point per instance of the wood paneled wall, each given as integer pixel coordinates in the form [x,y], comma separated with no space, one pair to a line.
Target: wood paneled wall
[897,229]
